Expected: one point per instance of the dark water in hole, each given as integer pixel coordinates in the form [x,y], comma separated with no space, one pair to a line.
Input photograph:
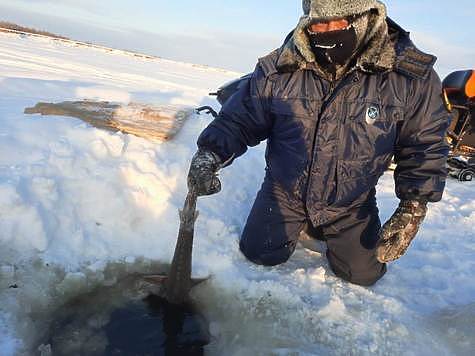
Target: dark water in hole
[110,321]
[156,327]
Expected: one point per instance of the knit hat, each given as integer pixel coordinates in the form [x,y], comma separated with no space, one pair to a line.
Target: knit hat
[327,9]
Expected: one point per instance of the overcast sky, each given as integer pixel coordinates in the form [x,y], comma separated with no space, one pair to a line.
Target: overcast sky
[231,34]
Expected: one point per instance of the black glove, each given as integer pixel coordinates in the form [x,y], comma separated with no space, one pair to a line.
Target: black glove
[202,176]
[398,232]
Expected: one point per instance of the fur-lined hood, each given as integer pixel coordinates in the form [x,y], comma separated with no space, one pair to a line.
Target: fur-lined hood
[377,54]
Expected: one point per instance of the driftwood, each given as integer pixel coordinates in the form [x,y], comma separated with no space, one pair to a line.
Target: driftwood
[160,123]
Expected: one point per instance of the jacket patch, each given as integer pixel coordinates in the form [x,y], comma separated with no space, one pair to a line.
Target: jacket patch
[415,63]
[372,114]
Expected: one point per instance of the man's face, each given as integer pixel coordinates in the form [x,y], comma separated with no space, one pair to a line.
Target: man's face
[330,25]
[333,42]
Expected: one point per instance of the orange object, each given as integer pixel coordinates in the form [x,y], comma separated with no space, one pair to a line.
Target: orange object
[470,86]
[327,26]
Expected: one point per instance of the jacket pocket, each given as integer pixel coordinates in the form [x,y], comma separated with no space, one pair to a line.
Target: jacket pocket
[289,144]
[369,130]
[356,178]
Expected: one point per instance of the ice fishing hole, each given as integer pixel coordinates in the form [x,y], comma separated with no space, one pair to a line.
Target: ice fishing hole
[108,322]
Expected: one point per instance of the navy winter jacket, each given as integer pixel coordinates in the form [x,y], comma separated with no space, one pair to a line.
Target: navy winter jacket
[328,144]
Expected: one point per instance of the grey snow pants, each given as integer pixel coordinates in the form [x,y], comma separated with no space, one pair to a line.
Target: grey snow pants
[274,225]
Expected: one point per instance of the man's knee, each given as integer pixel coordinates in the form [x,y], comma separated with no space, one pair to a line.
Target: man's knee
[365,280]
[266,257]
[366,275]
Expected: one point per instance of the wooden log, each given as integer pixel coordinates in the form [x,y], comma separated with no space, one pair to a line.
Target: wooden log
[157,123]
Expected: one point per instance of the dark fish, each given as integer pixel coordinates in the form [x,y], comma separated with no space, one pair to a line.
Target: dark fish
[179,282]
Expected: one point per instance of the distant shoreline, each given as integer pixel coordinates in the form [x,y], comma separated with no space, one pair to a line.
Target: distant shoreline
[13,26]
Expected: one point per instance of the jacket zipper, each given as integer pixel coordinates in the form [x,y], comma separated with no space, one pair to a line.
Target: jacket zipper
[328,100]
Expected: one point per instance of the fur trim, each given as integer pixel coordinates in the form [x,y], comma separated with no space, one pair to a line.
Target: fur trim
[327,9]
[361,25]
[379,54]
[377,51]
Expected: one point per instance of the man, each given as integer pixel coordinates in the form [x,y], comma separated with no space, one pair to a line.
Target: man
[345,92]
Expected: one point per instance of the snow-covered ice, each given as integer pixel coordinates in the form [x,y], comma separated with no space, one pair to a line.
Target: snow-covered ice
[80,207]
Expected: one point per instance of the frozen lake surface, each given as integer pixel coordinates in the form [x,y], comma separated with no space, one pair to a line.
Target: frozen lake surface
[82,208]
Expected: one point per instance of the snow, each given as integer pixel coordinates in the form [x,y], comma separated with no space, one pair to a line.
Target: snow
[81,207]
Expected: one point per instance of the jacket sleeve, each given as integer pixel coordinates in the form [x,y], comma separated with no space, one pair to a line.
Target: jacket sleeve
[421,150]
[243,121]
